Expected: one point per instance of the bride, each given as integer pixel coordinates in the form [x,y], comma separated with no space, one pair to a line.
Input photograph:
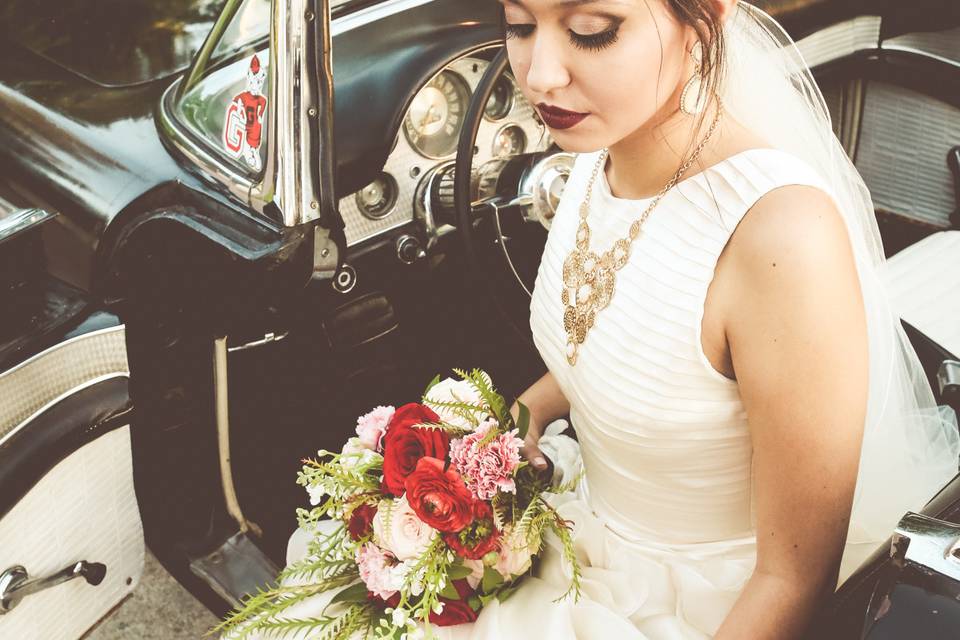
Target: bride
[751,418]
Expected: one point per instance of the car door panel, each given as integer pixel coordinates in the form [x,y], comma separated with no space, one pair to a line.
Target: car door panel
[66,483]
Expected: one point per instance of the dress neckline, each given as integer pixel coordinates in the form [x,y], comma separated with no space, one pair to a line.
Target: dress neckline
[607,194]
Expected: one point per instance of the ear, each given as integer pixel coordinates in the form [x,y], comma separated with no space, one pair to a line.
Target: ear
[724,8]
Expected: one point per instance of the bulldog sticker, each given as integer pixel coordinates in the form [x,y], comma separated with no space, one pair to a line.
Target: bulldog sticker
[243,124]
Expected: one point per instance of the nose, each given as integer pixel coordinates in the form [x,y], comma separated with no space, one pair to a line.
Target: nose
[547,71]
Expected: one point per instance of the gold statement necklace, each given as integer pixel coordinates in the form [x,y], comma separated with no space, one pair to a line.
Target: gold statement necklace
[588,278]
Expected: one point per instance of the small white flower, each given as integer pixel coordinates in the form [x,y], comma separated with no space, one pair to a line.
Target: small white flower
[438,607]
[400,617]
[416,634]
[316,493]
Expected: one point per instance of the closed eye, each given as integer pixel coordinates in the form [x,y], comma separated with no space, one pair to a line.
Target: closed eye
[593,41]
[518,30]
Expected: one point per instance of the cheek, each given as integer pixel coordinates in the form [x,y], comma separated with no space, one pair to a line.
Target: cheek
[519,59]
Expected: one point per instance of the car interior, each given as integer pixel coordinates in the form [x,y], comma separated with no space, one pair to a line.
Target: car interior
[418,300]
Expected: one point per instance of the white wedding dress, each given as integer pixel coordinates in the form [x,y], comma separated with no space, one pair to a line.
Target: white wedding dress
[663,521]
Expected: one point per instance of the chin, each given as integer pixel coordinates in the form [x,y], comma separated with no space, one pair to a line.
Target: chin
[571,142]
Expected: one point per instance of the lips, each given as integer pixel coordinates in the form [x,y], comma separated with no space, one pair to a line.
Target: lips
[557,118]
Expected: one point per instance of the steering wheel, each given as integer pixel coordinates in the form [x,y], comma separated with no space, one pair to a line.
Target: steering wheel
[520,194]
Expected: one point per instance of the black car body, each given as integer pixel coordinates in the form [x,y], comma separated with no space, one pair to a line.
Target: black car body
[137,253]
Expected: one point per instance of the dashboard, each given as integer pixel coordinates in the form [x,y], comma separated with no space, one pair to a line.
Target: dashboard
[425,149]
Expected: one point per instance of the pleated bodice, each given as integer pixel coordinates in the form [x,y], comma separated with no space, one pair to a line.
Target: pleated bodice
[664,435]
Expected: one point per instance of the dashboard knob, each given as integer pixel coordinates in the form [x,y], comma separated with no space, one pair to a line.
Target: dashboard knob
[409,249]
[345,279]
[441,196]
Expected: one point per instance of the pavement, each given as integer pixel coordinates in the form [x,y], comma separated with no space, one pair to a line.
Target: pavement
[158,609]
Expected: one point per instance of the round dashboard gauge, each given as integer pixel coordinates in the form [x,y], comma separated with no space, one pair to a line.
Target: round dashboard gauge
[509,141]
[501,100]
[433,122]
[377,199]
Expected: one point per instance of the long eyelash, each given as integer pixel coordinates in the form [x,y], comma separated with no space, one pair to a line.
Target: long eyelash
[595,41]
[517,30]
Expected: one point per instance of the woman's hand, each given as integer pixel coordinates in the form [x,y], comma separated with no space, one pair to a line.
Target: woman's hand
[546,402]
[531,450]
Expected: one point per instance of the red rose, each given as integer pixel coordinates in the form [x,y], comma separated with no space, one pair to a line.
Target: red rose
[392,601]
[438,497]
[361,521]
[477,538]
[404,444]
[455,611]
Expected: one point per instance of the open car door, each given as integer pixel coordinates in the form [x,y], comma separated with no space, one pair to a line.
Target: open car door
[71,541]
[84,478]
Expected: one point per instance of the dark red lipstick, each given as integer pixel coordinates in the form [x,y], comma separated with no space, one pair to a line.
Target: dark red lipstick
[557,118]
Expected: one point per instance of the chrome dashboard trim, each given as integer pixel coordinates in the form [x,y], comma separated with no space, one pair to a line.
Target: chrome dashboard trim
[933,57]
[22,220]
[928,542]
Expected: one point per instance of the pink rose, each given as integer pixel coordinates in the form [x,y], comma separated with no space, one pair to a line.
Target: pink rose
[487,469]
[375,566]
[476,577]
[514,556]
[400,530]
[372,426]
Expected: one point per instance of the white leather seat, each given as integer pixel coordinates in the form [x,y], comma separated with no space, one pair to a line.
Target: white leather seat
[924,285]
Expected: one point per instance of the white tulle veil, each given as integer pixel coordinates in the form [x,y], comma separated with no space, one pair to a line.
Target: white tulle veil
[910,446]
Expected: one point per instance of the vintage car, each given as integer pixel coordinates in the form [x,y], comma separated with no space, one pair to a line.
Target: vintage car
[227,227]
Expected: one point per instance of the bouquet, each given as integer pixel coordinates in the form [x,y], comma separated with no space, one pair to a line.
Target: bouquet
[422,518]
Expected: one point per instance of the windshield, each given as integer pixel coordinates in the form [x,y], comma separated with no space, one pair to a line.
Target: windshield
[123,42]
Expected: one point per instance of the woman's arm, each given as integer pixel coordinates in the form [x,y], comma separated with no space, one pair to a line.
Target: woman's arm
[798,341]
[546,403]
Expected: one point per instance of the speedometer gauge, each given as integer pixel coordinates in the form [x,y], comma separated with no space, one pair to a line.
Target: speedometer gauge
[433,122]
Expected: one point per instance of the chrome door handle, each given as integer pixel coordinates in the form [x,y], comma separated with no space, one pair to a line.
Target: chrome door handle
[15,583]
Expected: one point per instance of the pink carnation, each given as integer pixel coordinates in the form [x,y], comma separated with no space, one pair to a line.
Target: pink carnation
[489,468]
[375,566]
[372,426]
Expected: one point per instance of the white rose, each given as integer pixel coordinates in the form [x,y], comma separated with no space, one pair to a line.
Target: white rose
[450,390]
[399,530]
[355,453]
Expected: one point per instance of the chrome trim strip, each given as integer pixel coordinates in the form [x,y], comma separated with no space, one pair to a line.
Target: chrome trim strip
[66,394]
[22,220]
[923,54]
[60,345]
[373,13]
[295,112]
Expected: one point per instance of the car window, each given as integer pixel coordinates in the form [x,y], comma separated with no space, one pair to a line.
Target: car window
[226,109]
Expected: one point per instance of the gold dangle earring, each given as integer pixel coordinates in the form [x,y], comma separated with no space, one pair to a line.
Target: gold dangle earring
[693,99]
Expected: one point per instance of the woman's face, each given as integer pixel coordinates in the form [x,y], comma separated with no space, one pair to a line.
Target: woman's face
[623,63]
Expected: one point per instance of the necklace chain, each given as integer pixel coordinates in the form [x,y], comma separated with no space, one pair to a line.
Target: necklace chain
[589,279]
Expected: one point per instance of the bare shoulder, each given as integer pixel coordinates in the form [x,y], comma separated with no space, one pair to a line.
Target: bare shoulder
[794,231]
[795,280]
